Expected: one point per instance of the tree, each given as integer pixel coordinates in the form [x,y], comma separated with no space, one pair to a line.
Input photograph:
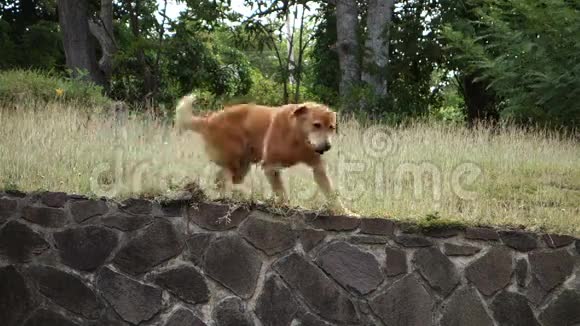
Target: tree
[29,35]
[480,100]
[376,57]
[299,66]
[101,28]
[282,28]
[22,14]
[347,45]
[79,48]
[417,69]
[414,54]
[527,54]
[324,75]
[149,82]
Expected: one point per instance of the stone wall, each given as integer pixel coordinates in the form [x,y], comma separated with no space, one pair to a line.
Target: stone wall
[68,260]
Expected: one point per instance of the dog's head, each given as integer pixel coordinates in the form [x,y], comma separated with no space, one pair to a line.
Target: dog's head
[318,123]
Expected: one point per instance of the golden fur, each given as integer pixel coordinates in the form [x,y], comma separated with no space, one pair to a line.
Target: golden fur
[274,137]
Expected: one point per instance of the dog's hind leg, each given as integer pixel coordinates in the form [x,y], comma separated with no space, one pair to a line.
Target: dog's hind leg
[224,182]
[220,181]
[275,179]
[229,179]
[239,173]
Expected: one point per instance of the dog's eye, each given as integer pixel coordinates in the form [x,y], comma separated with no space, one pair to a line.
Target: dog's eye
[317,125]
[331,127]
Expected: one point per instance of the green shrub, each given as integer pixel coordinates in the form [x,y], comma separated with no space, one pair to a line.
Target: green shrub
[527,51]
[18,86]
[264,90]
[452,106]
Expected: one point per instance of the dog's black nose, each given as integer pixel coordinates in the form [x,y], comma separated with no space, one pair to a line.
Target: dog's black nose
[324,148]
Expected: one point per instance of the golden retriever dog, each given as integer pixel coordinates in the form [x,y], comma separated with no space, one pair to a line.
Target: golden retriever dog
[273,137]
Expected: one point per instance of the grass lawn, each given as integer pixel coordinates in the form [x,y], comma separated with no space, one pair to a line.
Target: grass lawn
[511,178]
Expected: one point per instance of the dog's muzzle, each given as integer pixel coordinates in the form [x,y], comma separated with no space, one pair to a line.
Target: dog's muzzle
[323,148]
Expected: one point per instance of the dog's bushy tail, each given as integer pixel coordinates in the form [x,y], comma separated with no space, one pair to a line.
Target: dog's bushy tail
[184,119]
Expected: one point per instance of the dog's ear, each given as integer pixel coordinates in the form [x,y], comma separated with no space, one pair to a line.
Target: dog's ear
[301,110]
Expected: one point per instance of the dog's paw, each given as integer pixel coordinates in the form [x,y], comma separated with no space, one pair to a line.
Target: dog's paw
[348,212]
[351,213]
[339,209]
[280,201]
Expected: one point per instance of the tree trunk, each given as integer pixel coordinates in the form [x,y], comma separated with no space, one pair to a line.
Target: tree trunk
[149,84]
[161,32]
[290,59]
[102,30]
[347,45]
[298,67]
[479,102]
[78,46]
[281,66]
[379,16]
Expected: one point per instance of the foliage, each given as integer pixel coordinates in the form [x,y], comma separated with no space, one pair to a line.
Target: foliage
[210,14]
[8,46]
[529,55]
[446,58]
[264,91]
[22,14]
[414,57]
[450,106]
[17,86]
[324,74]
[279,33]
[29,35]
[253,46]
[42,46]
[187,59]
[414,54]
[200,63]
[39,46]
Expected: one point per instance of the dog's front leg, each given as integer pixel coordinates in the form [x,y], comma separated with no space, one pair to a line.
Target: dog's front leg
[275,179]
[324,183]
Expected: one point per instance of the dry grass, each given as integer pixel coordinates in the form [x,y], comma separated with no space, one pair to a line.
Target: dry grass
[511,178]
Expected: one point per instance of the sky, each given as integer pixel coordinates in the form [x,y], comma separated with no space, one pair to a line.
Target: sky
[173,9]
